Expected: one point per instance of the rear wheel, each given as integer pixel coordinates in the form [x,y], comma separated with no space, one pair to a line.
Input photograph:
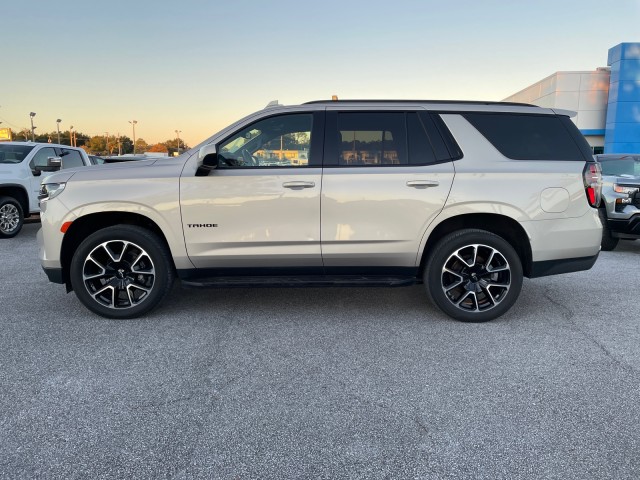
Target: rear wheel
[11,217]
[121,272]
[608,242]
[473,275]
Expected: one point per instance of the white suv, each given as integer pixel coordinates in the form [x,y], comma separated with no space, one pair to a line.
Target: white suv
[465,197]
[22,167]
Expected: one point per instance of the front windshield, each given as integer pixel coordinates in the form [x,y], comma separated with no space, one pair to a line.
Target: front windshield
[14,153]
[627,165]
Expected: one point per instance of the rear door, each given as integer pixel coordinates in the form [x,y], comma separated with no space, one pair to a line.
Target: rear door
[386,176]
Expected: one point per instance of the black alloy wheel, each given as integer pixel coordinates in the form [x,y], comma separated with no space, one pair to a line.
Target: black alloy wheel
[121,272]
[473,275]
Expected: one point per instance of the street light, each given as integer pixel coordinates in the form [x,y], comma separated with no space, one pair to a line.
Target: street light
[178,132]
[33,129]
[71,136]
[58,125]
[133,123]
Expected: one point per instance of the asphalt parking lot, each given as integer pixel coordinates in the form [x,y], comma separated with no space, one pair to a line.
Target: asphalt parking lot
[321,383]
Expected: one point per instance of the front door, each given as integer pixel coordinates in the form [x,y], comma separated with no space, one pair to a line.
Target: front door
[259,210]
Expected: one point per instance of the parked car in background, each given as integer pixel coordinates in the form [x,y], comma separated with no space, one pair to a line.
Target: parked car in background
[95,160]
[23,165]
[620,206]
[465,197]
[129,158]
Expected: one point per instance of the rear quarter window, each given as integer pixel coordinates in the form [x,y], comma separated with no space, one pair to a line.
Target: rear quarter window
[532,137]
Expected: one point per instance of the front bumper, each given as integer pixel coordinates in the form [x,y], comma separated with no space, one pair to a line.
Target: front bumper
[629,228]
[54,275]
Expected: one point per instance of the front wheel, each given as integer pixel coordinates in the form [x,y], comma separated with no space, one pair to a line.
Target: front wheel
[121,272]
[11,217]
[473,275]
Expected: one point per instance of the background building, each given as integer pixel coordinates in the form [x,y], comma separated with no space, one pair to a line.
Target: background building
[607,100]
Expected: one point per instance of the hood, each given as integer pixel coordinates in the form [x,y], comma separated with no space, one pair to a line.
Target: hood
[97,170]
[126,164]
[626,179]
[134,170]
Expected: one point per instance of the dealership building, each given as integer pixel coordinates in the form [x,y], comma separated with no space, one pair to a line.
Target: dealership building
[607,100]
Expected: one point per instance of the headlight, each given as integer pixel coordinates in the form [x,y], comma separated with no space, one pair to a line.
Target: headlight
[50,190]
[626,190]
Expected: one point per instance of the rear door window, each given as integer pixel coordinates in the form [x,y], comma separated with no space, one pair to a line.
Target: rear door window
[371,139]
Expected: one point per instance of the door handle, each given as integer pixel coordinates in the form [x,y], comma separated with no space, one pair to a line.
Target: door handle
[422,183]
[298,185]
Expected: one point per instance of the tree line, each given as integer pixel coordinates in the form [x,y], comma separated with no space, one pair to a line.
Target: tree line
[100,144]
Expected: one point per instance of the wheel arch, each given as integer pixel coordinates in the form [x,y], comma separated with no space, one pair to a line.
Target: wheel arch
[501,225]
[19,193]
[84,226]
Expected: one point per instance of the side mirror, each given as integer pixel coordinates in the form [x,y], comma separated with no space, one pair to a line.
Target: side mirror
[208,156]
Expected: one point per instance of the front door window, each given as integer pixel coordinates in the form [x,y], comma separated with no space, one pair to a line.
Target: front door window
[282,141]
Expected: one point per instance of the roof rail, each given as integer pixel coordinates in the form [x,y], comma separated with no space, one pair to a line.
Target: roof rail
[438,102]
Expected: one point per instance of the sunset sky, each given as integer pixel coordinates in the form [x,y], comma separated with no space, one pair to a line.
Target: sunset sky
[197,65]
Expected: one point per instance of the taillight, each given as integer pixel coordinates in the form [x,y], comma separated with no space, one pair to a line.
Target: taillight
[592,175]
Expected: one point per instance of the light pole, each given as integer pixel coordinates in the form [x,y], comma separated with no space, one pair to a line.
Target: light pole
[107,142]
[178,132]
[33,129]
[71,136]
[133,123]
[58,125]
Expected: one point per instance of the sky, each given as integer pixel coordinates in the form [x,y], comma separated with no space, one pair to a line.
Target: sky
[197,65]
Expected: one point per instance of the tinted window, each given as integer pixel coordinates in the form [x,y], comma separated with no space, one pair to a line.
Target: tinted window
[281,141]
[371,139]
[527,137]
[420,151]
[436,142]
[71,158]
[450,148]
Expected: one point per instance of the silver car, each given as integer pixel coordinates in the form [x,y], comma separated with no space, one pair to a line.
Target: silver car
[465,197]
[620,206]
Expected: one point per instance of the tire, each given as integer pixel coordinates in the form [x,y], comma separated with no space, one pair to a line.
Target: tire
[11,217]
[121,272]
[608,242]
[458,281]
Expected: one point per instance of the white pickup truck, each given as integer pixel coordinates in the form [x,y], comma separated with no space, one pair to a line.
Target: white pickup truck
[23,165]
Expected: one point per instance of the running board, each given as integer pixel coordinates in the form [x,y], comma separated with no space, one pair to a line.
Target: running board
[300,281]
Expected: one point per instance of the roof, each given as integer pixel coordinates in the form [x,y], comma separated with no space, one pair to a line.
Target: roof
[34,144]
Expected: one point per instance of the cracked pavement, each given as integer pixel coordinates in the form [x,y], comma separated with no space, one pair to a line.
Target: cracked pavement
[321,383]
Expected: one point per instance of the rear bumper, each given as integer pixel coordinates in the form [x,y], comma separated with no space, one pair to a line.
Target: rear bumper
[565,265]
